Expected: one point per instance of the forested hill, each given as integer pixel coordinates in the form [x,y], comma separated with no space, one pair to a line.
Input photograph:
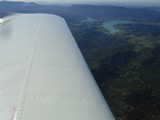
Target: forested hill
[78,12]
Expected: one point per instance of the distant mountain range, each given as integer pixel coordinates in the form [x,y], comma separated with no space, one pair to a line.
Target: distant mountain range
[155,8]
[80,11]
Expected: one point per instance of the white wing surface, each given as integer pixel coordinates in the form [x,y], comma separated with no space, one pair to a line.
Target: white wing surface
[43,75]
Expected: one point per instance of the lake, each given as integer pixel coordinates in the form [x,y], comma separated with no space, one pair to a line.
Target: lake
[110,25]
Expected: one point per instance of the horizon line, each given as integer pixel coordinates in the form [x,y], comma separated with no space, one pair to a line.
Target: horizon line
[119,3]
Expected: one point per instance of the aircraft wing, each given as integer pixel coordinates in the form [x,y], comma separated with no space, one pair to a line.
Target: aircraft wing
[43,75]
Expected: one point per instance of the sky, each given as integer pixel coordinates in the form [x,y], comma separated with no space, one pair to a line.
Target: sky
[157,2]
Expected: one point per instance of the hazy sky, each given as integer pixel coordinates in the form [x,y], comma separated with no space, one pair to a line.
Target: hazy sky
[118,1]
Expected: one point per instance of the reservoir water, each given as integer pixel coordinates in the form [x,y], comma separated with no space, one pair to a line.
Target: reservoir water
[110,25]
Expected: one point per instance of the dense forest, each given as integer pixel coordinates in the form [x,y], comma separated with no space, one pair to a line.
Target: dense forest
[125,64]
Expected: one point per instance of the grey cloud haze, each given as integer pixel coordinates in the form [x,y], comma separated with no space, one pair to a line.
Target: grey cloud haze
[156,1]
